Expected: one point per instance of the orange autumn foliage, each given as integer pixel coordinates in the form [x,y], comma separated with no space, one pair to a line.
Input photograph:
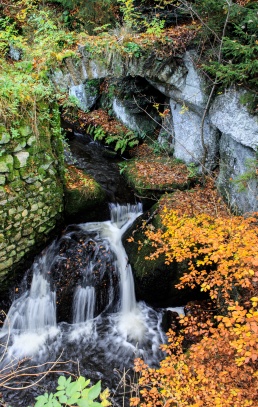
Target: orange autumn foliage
[221,251]
[221,370]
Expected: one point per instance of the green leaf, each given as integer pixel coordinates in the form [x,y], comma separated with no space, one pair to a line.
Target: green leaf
[61,382]
[63,399]
[83,403]
[74,398]
[72,388]
[59,393]
[56,403]
[83,382]
[41,401]
[94,391]
[85,393]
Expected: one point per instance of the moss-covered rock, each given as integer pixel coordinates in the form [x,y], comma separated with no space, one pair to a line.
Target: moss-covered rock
[6,163]
[82,193]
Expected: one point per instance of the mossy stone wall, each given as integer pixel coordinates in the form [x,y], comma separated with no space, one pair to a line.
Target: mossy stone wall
[31,188]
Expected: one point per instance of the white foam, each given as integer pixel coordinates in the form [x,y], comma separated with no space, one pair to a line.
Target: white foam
[30,343]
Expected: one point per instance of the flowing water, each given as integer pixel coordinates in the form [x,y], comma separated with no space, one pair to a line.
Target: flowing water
[101,340]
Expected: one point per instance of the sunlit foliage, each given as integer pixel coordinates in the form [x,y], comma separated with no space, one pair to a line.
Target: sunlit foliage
[220,368]
[221,252]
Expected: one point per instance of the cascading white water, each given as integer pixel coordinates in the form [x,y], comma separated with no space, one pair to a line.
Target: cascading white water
[122,330]
[36,308]
[130,321]
[122,218]
[84,303]
[84,298]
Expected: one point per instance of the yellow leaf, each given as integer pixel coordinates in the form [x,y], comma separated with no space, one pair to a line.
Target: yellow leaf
[103,397]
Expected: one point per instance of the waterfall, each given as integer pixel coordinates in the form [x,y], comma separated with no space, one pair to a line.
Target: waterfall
[122,218]
[35,310]
[102,338]
[84,302]
[84,298]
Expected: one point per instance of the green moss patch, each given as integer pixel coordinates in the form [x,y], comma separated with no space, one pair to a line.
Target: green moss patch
[81,191]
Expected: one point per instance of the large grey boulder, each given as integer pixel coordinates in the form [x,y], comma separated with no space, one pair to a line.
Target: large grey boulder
[231,117]
[183,83]
[238,150]
[188,140]
[237,179]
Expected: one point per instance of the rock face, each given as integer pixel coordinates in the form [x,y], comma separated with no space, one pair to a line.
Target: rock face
[237,179]
[232,118]
[238,151]
[229,132]
[187,140]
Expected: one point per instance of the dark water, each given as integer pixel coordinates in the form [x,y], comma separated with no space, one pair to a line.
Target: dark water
[102,164]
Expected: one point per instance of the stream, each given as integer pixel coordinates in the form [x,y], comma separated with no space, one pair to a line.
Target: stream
[98,344]
[75,310]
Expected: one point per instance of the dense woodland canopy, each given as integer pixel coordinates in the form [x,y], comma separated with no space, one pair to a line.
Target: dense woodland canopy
[218,366]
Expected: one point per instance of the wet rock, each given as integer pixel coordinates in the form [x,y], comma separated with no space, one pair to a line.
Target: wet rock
[170,320]
[76,252]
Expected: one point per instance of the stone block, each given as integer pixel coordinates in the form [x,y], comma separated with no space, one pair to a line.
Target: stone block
[25,131]
[187,137]
[19,146]
[4,138]
[30,180]
[34,207]
[17,237]
[2,180]
[27,232]
[3,244]
[25,213]
[234,158]
[42,228]
[9,248]
[16,225]
[20,255]
[229,115]
[31,141]
[6,264]
[30,242]
[20,159]
[6,163]
[12,211]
